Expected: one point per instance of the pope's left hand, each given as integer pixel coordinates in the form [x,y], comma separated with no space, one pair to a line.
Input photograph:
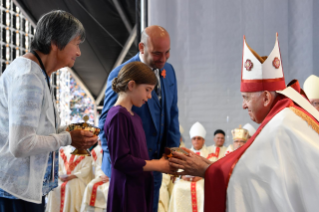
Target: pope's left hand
[192,164]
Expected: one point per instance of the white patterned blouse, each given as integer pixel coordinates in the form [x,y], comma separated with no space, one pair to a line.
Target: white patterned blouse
[27,129]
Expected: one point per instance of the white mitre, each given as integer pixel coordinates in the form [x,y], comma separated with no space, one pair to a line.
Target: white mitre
[262,73]
[250,128]
[311,87]
[197,130]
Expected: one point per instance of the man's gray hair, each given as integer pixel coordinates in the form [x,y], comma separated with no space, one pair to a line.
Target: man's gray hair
[57,27]
[258,93]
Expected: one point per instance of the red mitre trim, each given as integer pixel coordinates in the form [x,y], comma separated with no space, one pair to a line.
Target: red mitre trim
[262,85]
[218,174]
[277,84]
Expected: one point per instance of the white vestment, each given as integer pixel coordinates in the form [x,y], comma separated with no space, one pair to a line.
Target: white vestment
[279,171]
[166,190]
[216,153]
[188,196]
[95,195]
[165,193]
[229,149]
[67,196]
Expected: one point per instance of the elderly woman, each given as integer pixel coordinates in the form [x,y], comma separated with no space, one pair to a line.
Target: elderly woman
[30,135]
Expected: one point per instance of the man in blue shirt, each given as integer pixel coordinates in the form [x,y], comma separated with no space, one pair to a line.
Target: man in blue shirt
[160,114]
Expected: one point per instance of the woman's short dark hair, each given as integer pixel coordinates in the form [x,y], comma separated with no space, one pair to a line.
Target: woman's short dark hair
[57,27]
[136,71]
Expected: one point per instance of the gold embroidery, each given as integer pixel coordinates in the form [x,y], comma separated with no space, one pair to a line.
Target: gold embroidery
[306,118]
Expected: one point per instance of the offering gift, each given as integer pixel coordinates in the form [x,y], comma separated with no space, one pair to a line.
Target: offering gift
[83,126]
[169,151]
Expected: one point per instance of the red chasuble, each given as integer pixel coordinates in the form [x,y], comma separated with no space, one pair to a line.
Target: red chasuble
[218,174]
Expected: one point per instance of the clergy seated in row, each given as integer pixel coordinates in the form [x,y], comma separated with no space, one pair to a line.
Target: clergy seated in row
[218,149]
[95,195]
[167,183]
[75,172]
[188,192]
[240,137]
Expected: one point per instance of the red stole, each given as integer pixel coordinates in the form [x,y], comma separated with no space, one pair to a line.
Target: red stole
[94,155]
[194,194]
[218,174]
[94,191]
[69,166]
[214,154]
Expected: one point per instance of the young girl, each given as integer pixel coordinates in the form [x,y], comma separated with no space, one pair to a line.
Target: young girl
[131,184]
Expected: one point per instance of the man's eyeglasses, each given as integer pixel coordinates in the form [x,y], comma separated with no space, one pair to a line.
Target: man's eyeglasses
[315,103]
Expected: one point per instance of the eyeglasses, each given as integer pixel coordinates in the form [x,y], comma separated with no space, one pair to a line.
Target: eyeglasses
[315,103]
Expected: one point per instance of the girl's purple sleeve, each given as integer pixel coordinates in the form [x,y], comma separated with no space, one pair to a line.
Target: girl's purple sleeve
[119,147]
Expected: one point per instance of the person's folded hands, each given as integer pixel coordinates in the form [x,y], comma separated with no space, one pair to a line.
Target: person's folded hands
[191,164]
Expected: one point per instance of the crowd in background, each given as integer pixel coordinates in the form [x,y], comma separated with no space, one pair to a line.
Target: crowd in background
[80,104]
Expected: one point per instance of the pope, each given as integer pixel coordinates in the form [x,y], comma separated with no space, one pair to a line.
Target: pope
[277,168]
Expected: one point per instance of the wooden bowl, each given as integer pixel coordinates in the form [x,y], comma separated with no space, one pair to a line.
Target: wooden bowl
[169,151]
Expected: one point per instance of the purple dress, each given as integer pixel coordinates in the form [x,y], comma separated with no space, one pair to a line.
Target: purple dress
[131,189]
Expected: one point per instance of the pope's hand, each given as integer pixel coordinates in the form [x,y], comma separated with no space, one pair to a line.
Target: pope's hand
[82,139]
[192,164]
[187,150]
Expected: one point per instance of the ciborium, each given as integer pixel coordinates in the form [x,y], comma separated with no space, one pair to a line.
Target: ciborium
[83,126]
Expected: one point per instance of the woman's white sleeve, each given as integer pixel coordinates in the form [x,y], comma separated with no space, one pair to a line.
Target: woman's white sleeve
[25,99]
